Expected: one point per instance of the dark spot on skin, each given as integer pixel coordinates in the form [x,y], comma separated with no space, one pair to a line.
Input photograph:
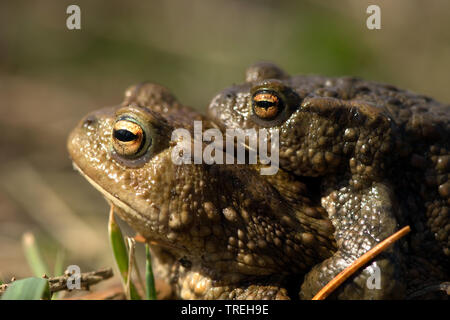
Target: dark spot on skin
[185,263]
[90,120]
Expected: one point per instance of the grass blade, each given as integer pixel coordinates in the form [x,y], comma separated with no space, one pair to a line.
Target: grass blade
[120,254]
[58,269]
[118,245]
[33,255]
[27,289]
[149,278]
[136,269]
[131,289]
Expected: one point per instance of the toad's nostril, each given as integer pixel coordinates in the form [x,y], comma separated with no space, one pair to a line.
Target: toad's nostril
[88,121]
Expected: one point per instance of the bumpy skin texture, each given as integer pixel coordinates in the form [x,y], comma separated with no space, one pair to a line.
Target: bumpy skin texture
[218,231]
[381,157]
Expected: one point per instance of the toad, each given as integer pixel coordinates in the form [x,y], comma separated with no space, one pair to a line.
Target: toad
[380,156]
[216,231]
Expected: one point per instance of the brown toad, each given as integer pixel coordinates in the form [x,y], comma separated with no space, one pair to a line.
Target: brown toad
[381,158]
[221,231]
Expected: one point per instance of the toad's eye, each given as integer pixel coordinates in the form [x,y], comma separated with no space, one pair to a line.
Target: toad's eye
[266,104]
[128,138]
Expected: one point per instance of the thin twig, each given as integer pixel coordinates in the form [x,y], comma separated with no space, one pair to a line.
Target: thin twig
[358,263]
[86,280]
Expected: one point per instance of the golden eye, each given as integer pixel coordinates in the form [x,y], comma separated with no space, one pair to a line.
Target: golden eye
[266,104]
[128,137]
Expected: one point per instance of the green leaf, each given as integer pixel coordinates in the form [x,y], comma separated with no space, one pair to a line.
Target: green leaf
[120,254]
[33,256]
[27,289]
[149,278]
[58,268]
[118,246]
[130,289]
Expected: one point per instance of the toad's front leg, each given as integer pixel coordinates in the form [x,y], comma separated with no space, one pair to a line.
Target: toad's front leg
[362,218]
[198,285]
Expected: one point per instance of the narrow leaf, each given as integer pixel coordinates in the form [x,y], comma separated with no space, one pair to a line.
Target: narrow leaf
[120,253]
[131,289]
[149,278]
[58,268]
[33,255]
[27,289]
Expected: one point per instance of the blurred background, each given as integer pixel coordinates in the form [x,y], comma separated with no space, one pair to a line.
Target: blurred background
[50,77]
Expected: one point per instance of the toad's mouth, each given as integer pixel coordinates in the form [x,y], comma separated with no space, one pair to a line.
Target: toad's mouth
[125,209]
[111,199]
[128,210]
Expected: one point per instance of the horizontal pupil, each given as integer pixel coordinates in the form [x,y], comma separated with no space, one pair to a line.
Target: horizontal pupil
[265,104]
[124,135]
